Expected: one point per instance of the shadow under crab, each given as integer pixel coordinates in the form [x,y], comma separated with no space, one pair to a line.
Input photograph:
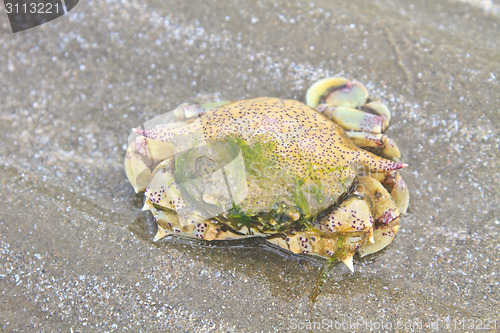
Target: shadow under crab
[277,169]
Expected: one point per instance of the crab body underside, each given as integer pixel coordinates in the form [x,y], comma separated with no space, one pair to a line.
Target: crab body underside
[277,169]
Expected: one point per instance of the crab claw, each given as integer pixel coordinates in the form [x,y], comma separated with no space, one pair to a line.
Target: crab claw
[142,156]
[379,109]
[137,169]
[337,91]
[352,119]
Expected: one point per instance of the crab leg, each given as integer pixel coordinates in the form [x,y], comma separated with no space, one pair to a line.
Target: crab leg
[325,246]
[395,184]
[383,235]
[385,211]
[370,140]
[168,224]
[341,232]
[399,191]
[353,221]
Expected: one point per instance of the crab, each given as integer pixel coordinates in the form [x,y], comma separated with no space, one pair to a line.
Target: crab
[318,178]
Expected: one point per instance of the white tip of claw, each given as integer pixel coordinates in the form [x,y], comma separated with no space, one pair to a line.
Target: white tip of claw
[160,234]
[372,239]
[146,206]
[349,263]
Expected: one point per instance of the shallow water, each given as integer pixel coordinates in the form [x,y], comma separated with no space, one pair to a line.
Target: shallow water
[76,251]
